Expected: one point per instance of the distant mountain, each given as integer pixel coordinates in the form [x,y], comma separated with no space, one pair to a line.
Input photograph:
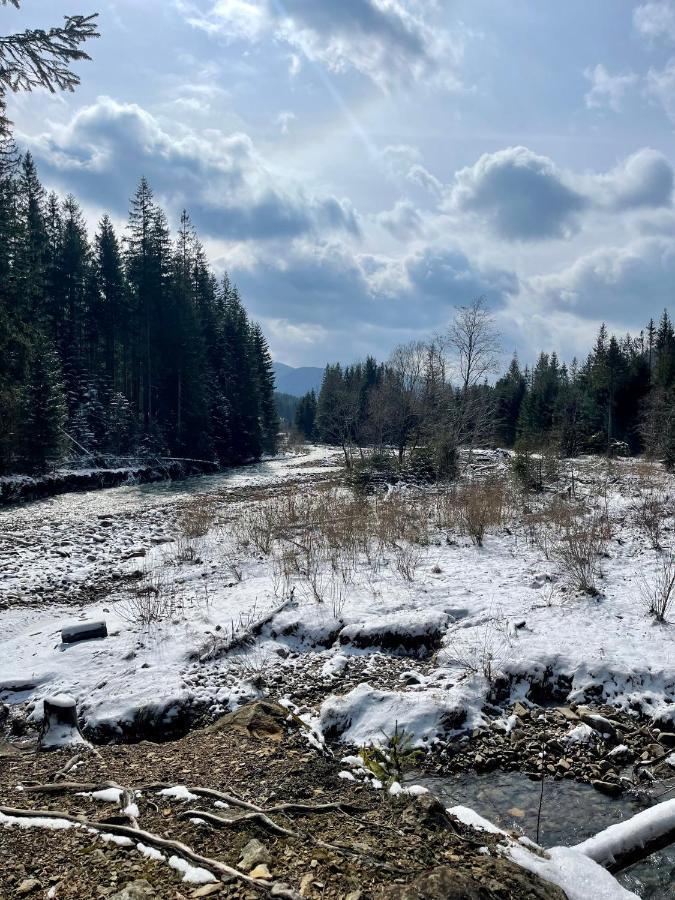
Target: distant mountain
[297,381]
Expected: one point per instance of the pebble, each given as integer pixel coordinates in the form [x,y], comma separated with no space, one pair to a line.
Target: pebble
[253,854]
[260,872]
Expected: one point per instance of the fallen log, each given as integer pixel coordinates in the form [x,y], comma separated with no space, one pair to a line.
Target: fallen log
[626,843]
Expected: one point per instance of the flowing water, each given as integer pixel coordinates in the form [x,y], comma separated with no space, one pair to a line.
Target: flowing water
[571,812]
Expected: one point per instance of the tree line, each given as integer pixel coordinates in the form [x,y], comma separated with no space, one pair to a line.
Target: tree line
[113,346]
[435,396]
[120,345]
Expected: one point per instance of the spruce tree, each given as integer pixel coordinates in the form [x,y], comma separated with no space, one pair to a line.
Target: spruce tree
[264,372]
[44,408]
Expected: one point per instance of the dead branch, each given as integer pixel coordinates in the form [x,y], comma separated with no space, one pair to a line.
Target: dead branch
[246,818]
[154,840]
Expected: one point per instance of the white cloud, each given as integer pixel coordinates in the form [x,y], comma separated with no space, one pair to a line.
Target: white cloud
[420,176]
[388,41]
[643,180]
[608,90]
[526,197]
[403,221]
[661,86]
[522,194]
[620,284]
[284,120]
[222,179]
[655,19]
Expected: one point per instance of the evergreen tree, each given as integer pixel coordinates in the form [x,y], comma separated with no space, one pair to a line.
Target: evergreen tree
[44,408]
[305,416]
[264,375]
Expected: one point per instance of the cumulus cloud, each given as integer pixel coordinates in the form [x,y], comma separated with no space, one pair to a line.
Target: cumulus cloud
[328,285]
[420,176]
[526,197]
[523,194]
[614,283]
[643,180]
[449,276]
[389,41]
[655,19]
[223,180]
[608,90]
[403,221]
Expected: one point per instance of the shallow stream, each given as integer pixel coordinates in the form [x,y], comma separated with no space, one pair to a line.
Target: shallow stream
[571,812]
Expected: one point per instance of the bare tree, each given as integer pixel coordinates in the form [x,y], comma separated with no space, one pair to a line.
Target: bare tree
[474,341]
[399,397]
[38,58]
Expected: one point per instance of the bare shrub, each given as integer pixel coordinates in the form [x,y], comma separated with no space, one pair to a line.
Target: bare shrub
[186,551]
[253,666]
[579,550]
[485,652]
[482,506]
[408,558]
[650,512]
[154,600]
[196,517]
[547,520]
[658,593]
[233,564]
[257,526]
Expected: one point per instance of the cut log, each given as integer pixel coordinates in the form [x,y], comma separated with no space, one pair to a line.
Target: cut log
[59,724]
[85,631]
[626,843]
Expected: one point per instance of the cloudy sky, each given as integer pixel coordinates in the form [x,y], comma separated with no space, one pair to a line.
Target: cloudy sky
[361,167]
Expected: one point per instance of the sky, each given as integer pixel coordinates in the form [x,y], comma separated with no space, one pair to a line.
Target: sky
[363,167]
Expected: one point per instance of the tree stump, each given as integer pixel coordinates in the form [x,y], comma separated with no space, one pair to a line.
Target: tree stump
[59,724]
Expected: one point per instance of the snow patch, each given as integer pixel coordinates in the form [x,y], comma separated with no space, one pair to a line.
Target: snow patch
[191,874]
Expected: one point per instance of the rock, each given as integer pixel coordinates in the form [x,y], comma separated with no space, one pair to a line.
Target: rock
[667,738]
[567,714]
[7,750]
[135,890]
[27,887]
[206,890]
[607,787]
[426,810]
[261,719]
[252,855]
[491,878]
[599,723]
[85,631]
[654,750]
[281,889]
[260,871]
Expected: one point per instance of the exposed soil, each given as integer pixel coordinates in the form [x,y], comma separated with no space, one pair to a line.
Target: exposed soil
[379,846]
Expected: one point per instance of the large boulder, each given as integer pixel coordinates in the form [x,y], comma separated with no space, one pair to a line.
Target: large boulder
[261,719]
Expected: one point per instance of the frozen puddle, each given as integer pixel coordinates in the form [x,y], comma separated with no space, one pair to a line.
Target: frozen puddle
[571,813]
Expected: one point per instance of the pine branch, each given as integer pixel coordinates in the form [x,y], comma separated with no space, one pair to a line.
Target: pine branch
[39,58]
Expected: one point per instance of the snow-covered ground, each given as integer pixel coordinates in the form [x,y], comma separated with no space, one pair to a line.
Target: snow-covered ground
[473,613]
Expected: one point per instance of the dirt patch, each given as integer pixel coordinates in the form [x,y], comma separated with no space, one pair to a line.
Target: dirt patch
[369,846]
